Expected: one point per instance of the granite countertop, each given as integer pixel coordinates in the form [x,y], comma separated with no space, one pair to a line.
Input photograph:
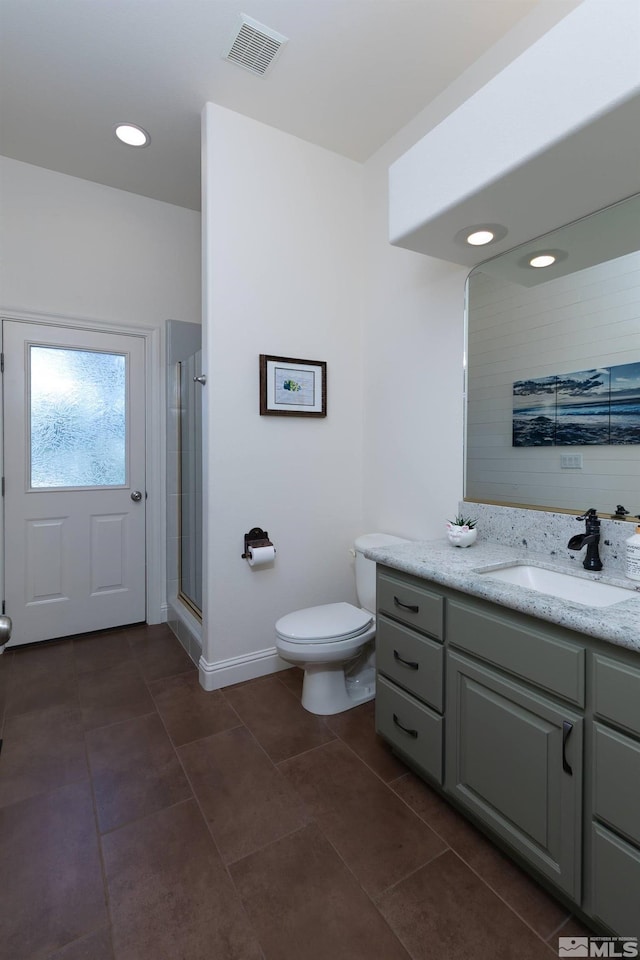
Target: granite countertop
[460,568]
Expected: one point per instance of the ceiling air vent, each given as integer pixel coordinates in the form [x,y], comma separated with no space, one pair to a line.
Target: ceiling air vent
[254,46]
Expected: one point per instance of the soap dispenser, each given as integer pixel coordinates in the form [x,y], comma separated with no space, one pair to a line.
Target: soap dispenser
[633,555]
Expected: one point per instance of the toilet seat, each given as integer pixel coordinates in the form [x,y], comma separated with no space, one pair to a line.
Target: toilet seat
[328,623]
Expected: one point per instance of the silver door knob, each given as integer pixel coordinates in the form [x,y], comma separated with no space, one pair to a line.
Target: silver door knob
[5,630]
[201,380]
[136,496]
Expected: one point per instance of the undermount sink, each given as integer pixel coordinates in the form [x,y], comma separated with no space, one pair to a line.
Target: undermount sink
[593,593]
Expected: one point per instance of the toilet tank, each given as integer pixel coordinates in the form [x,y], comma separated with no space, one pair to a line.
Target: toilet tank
[366,569]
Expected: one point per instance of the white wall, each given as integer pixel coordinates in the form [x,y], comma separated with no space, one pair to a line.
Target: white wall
[80,249]
[283,267]
[414,308]
[413,332]
[489,160]
[74,249]
[413,350]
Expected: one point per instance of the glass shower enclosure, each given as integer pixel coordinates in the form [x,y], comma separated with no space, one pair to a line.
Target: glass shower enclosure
[190,483]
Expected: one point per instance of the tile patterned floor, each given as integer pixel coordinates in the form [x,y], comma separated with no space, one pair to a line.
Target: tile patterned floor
[144,819]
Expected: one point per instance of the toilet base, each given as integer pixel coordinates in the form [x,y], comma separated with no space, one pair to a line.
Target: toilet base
[326,690]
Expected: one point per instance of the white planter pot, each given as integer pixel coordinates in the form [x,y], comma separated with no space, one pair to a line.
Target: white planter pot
[461,536]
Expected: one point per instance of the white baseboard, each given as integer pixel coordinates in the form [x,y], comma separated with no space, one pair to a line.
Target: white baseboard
[223,673]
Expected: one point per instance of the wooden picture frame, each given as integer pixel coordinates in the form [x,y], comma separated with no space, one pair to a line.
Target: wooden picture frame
[292,388]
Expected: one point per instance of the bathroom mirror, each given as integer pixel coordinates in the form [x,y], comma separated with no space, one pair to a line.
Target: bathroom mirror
[553,369]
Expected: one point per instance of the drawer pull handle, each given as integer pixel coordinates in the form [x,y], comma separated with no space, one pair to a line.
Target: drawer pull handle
[411,733]
[412,664]
[406,606]
[566,732]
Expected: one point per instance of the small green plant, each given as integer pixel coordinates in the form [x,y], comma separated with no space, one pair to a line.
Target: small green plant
[462,521]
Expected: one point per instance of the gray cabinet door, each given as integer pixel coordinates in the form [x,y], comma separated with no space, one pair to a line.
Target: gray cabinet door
[616,882]
[514,759]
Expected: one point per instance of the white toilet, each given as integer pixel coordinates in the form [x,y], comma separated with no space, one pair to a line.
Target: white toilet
[333,643]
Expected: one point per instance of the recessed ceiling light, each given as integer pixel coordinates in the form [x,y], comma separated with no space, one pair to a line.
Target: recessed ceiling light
[542,260]
[480,237]
[132,135]
[480,234]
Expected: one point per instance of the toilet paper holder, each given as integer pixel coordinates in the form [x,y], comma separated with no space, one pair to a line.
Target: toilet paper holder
[255,538]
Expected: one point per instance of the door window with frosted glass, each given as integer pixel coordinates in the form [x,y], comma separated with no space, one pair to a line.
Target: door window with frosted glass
[77,418]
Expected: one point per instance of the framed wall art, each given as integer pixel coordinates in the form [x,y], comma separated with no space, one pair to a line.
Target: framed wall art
[292,388]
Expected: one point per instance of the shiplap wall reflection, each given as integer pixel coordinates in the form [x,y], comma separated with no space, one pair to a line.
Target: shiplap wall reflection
[581,320]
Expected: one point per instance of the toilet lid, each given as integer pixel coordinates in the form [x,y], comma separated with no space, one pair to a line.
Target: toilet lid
[331,621]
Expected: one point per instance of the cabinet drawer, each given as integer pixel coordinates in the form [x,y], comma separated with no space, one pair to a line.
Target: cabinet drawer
[411,604]
[617,692]
[412,729]
[617,781]
[616,883]
[413,661]
[548,662]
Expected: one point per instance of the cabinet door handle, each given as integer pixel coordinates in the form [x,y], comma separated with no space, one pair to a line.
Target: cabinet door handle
[411,733]
[412,664]
[406,606]
[566,733]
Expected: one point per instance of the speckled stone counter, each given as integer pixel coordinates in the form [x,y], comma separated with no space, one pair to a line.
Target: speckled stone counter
[461,569]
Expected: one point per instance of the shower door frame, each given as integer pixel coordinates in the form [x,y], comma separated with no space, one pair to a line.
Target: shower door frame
[183,597]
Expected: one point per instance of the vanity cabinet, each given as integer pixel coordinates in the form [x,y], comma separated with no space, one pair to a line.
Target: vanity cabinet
[615,796]
[410,663]
[535,735]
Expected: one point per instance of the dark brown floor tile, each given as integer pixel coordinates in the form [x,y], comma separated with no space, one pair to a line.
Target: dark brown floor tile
[169,893]
[50,877]
[135,771]
[41,694]
[42,675]
[445,911]
[276,719]
[244,798]
[34,660]
[148,631]
[159,652]
[357,728]
[188,711]
[292,679]
[97,946]
[304,903]
[109,696]
[540,910]
[42,750]
[573,927]
[97,652]
[6,660]
[377,836]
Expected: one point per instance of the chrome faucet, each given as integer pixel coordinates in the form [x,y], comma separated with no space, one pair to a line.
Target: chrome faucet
[589,539]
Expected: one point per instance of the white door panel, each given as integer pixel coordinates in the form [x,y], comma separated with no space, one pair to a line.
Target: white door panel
[74,453]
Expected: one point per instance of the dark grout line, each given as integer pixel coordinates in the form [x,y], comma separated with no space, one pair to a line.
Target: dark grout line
[501,898]
[376,900]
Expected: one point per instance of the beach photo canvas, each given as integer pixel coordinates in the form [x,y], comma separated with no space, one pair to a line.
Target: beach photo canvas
[582,407]
[534,412]
[596,406]
[624,409]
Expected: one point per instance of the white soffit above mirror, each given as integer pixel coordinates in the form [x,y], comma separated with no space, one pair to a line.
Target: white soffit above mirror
[578,246]
[553,137]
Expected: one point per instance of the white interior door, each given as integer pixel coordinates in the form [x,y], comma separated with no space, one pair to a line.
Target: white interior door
[74,458]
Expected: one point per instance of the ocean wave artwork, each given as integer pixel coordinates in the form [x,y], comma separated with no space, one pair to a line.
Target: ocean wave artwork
[596,406]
